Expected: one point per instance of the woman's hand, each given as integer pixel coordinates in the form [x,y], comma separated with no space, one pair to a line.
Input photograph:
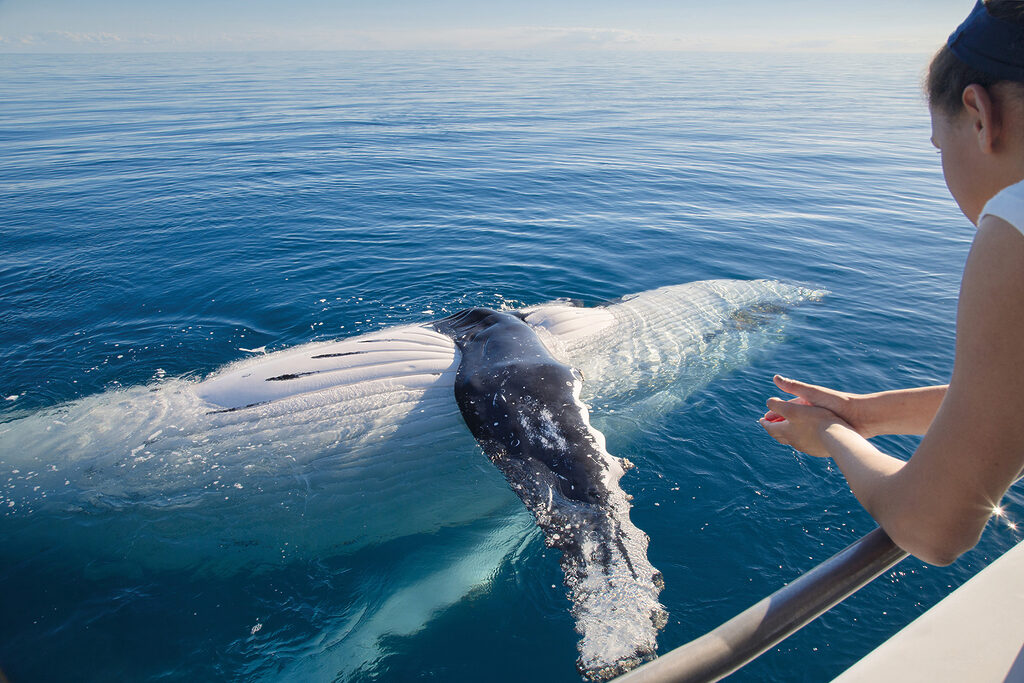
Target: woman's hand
[903,411]
[801,425]
[853,409]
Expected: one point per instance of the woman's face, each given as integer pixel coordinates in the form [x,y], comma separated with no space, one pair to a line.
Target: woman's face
[954,137]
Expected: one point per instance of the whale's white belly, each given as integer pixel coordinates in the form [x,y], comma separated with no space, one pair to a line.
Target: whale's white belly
[327,447]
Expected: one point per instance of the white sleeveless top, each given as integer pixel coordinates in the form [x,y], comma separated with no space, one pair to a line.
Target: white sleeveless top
[1008,204]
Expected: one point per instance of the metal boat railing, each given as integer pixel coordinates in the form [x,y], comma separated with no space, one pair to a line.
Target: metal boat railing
[750,633]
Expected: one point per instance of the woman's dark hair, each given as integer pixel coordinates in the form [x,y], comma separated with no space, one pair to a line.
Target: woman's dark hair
[948,76]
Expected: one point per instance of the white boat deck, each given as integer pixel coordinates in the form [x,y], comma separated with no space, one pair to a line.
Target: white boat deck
[975,634]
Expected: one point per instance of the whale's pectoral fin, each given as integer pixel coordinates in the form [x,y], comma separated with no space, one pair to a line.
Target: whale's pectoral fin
[523,407]
[612,585]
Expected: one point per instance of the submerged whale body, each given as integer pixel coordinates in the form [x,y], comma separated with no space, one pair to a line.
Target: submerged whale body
[327,448]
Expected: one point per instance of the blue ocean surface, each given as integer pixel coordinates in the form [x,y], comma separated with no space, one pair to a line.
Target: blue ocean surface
[162,213]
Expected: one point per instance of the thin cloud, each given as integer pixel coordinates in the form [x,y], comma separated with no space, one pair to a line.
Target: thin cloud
[64,39]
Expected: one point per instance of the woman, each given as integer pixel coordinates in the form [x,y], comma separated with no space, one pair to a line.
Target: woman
[936,504]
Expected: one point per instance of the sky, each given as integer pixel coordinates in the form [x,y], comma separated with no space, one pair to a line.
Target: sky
[918,26]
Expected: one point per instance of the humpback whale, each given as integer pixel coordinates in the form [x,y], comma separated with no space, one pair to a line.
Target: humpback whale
[329,447]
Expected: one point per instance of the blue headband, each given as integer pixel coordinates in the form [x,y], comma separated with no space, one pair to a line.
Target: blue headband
[990,45]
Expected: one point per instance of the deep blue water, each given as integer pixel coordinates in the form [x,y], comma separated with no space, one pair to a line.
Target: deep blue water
[160,212]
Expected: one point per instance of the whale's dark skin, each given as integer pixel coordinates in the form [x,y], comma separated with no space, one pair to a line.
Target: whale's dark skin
[521,405]
[517,401]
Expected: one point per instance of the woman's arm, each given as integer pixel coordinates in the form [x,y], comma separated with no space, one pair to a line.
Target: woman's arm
[936,504]
[903,411]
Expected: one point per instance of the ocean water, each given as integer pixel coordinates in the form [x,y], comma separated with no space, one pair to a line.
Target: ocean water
[160,214]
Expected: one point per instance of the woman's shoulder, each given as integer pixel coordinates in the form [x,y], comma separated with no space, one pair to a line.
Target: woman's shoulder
[1007,204]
